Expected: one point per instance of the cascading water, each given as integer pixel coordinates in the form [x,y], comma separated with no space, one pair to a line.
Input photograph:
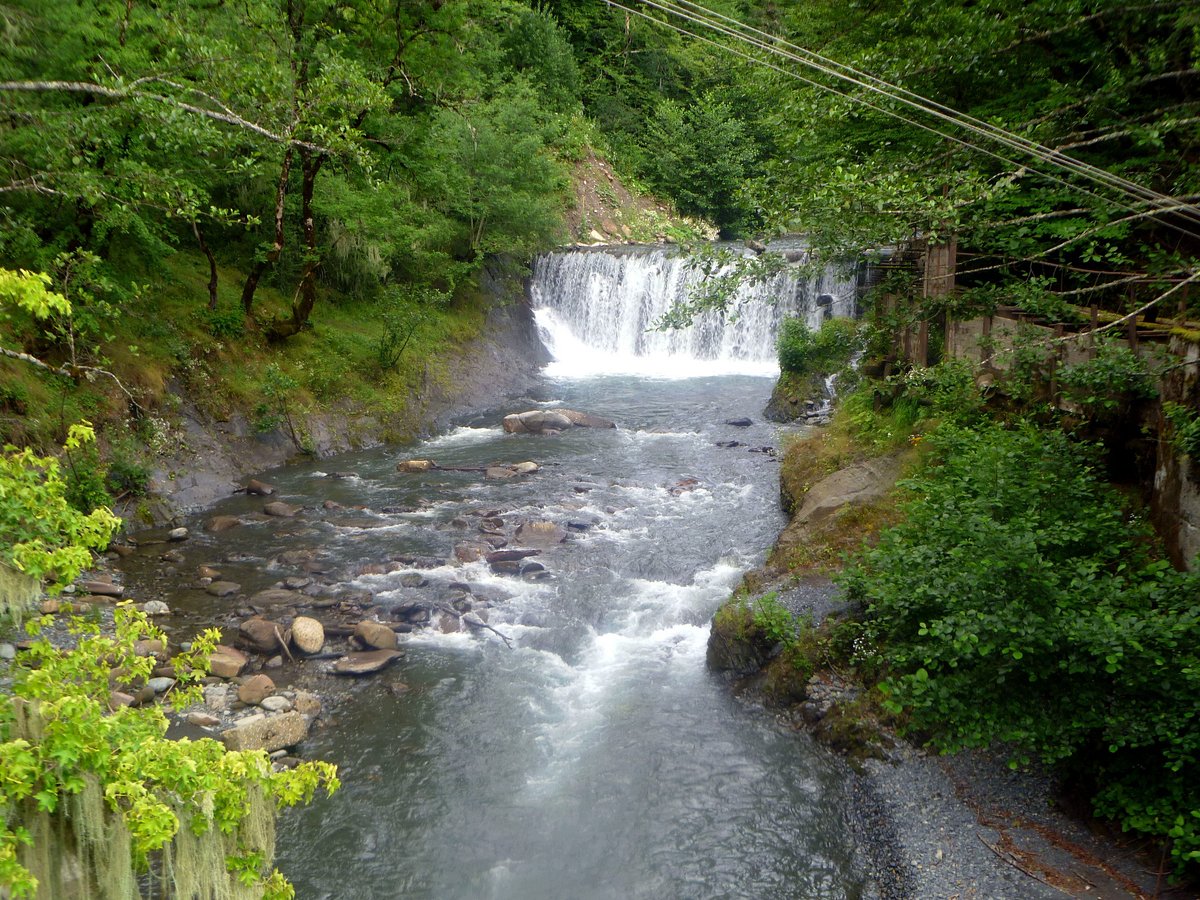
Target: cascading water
[597,311]
[597,759]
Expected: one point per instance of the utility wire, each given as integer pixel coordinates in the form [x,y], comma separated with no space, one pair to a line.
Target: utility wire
[831,68]
[932,107]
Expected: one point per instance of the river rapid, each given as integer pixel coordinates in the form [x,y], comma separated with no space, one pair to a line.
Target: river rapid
[597,757]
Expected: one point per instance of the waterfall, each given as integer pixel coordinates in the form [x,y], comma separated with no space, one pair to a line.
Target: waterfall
[596,310]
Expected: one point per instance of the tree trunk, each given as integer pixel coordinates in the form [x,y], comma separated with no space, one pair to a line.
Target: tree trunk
[260,267]
[212,265]
[306,293]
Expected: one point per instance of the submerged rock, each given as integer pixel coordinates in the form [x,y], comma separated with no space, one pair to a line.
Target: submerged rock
[541,534]
[553,421]
[365,663]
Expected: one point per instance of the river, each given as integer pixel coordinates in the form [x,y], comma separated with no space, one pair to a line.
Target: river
[597,757]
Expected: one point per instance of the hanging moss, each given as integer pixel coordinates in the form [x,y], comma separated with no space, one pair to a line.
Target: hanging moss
[18,594]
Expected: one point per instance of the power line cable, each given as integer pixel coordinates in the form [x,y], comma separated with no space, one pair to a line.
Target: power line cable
[917,101]
[1163,202]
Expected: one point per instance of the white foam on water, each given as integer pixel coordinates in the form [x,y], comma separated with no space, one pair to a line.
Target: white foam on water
[575,359]
[463,436]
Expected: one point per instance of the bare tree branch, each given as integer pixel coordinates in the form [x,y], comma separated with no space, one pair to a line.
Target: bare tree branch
[83,87]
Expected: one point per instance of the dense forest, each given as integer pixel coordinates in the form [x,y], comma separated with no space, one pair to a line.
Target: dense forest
[280,206]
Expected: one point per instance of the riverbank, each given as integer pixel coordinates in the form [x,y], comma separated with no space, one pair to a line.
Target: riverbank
[963,825]
[211,457]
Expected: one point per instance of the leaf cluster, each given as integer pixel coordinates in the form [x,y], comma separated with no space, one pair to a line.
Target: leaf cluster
[1019,603]
[58,733]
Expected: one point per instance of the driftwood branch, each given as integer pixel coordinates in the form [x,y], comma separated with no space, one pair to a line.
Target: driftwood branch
[476,623]
[72,371]
[99,90]
[1006,857]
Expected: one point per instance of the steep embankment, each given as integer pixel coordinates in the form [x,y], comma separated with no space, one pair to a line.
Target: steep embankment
[932,826]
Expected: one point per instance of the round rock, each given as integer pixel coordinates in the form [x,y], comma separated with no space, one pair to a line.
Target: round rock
[308,634]
[376,635]
[255,689]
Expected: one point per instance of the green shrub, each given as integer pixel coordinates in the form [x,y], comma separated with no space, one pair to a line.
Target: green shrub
[127,477]
[947,389]
[1018,603]
[774,620]
[225,321]
[1115,375]
[803,351]
[1185,428]
[41,533]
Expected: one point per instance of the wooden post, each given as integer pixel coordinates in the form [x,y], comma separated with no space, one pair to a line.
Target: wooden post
[1058,333]
[938,281]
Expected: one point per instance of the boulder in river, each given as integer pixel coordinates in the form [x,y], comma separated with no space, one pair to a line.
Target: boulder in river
[101,588]
[416,465]
[223,588]
[226,662]
[263,732]
[260,488]
[498,556]
[541,534]
[255,689]
[280,509]
[261,635]
[221,523]
[365,663]
[276,597]
[376,635]
[308,634]
[552,421]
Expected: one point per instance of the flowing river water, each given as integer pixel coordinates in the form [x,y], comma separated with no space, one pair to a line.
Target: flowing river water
[596,758]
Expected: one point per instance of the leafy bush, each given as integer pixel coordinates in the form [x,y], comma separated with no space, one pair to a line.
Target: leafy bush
[127,477]
[803,351]
[41,533]
[1113,376]
[403,313]
[1017,603]
[1185,428]
[225,321]
[103,792]
[948,389]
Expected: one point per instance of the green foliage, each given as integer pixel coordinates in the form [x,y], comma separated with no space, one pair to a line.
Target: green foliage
[225,322]
[28,291]
[403,314]
[41,533]
[1184,433]
[536,47]
[1034,297]
[773,619]
[1018,603]
[59,741]
[700,154]
[724,272]
[803,351]
[126,476]
[1114,376]
[948,390]
[87,486]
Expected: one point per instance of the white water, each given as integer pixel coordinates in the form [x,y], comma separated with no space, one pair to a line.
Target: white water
[597,314]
